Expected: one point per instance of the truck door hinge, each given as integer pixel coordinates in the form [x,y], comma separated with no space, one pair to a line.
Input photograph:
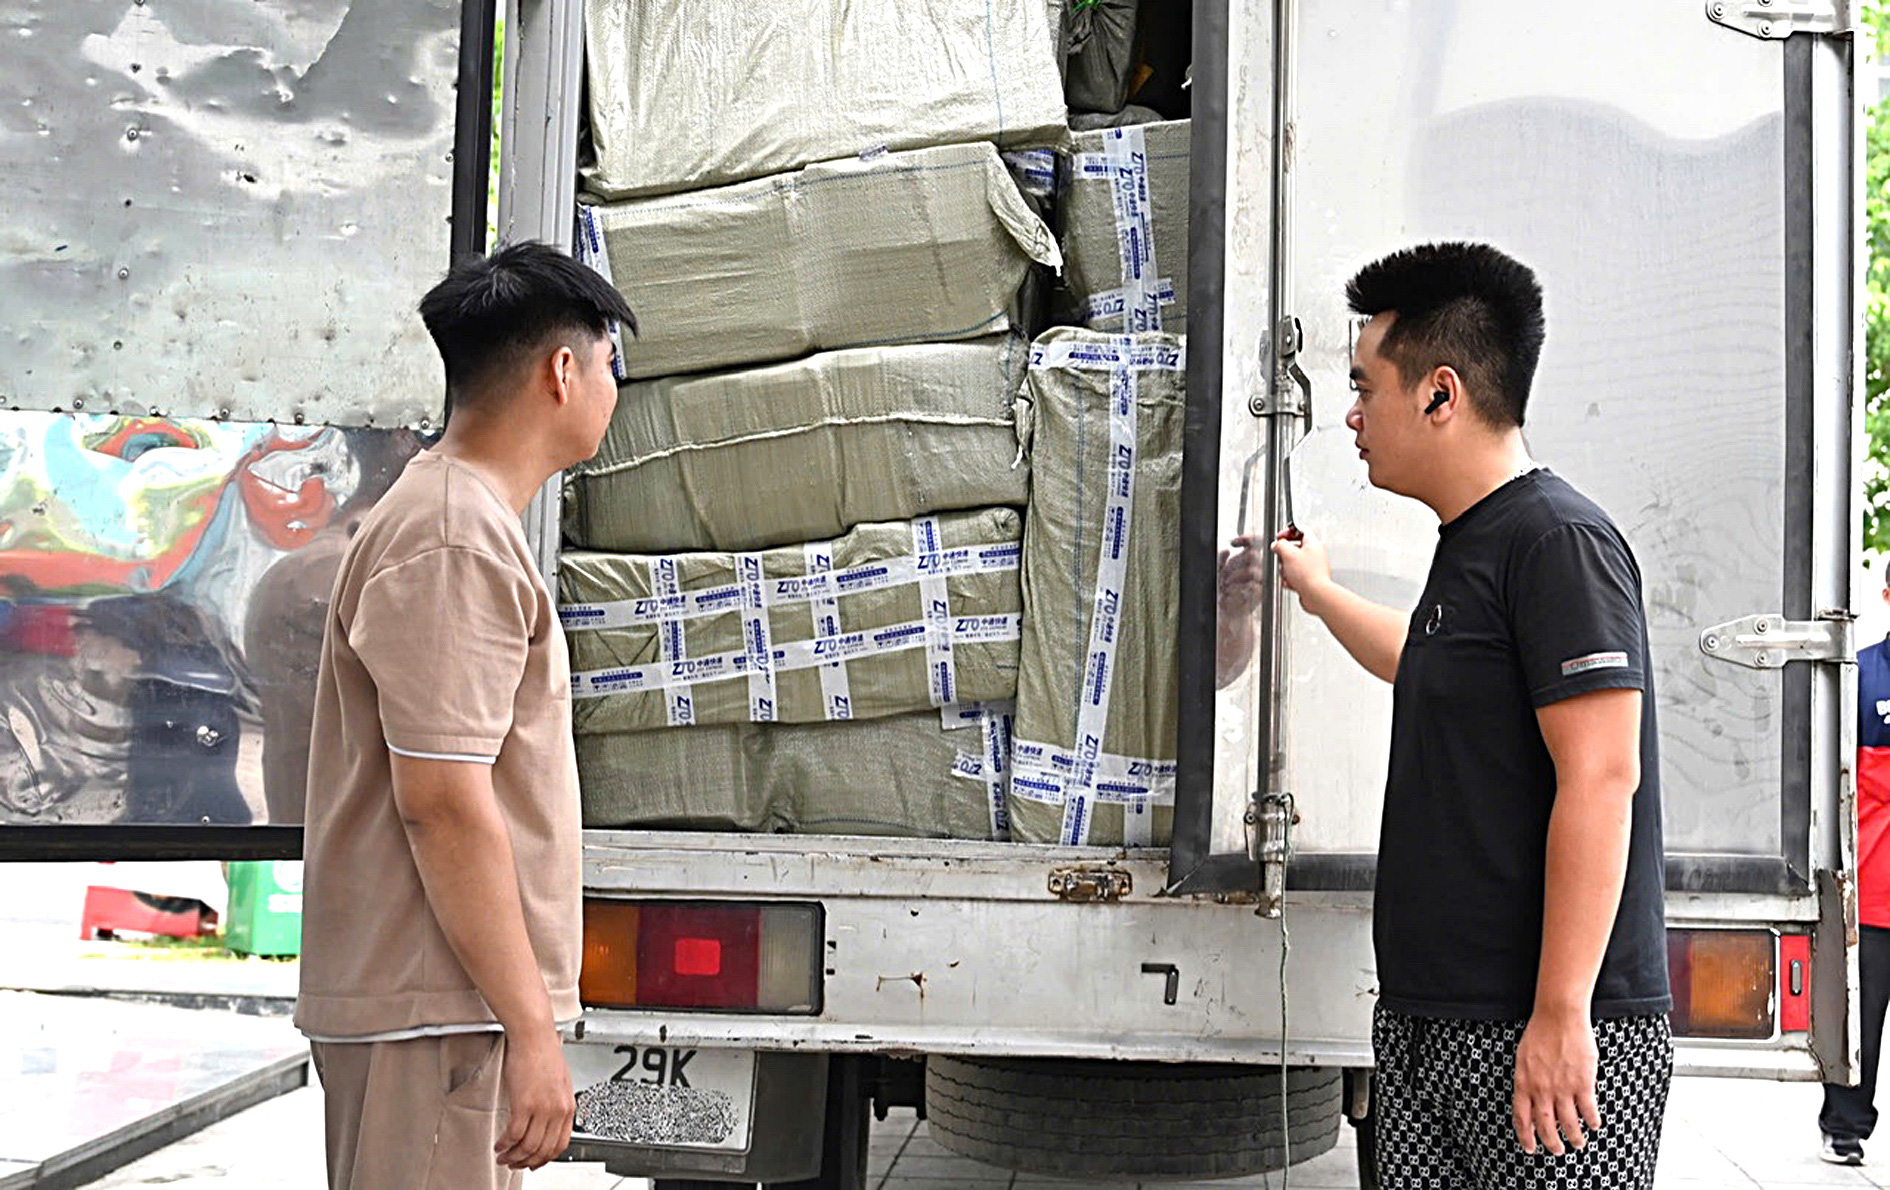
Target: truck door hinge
[1775,20]
[1090,884]
[1770,642]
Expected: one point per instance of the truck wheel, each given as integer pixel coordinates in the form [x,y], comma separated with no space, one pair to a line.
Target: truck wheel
[1094,1119]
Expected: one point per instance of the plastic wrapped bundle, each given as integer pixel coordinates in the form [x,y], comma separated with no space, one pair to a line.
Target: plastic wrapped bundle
[1102,419]
[1125,228]
[902,248]
[729,90]
[890,618]
[1099,54]
[907,775]
[803,451]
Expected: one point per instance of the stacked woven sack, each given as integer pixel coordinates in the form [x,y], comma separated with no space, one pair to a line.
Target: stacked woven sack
[1101,422]
[792,582]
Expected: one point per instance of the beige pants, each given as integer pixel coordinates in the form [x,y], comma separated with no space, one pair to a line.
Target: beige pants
[421,1114]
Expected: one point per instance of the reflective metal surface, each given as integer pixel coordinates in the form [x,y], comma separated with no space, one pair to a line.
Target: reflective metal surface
[224,208]
[1644,182]
[163,585]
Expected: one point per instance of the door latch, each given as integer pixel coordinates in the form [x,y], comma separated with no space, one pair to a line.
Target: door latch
[1775,20]
[1270,821]
[1771,641]
[1090,884]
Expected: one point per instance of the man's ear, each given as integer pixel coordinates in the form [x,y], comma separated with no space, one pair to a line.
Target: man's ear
[562,366]
[1443,394]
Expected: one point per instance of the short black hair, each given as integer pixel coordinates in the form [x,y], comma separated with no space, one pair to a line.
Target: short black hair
[493,312]
[1464,306]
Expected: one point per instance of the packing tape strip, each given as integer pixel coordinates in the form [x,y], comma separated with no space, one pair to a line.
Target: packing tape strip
[758,647]
[961,715]
[1112,569]
[1035,171]
[1043,772]
[1124,165]
[1107,355]
[935,596]
[671,642]
[996,737]
[836,692]
[1111,303]
[901,571]
[991,765]
[1127,153]
[790,656]
[592,253]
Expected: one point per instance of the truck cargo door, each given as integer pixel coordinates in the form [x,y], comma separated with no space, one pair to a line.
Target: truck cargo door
[220,217]
[1687,188]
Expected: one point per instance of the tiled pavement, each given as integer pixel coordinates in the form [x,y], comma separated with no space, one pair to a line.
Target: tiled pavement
[1721,1134]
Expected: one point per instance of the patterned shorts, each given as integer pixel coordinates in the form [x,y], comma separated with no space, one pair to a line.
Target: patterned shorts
[1441,1099]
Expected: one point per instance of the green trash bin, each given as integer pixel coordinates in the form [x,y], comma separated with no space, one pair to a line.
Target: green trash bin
[265,916]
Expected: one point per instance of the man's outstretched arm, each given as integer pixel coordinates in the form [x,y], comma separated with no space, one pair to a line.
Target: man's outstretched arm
[1371,632]
[464,856]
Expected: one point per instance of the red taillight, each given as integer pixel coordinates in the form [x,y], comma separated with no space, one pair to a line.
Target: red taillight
[666,954]
[698,957]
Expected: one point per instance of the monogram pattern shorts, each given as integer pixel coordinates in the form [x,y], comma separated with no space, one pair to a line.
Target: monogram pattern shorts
[1441,1100]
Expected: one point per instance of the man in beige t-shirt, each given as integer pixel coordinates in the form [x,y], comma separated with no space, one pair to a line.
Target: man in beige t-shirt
[441,913]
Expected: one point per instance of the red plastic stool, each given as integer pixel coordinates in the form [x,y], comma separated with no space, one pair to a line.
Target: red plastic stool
[108,910]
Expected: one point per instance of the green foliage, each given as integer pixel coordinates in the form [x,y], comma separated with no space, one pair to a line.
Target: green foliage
[1877,307]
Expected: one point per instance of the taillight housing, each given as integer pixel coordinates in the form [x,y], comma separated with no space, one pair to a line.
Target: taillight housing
[710,956]
[1725,983]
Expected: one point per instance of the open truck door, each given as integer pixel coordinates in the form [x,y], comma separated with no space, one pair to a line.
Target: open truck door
[1688,187]
[218,219]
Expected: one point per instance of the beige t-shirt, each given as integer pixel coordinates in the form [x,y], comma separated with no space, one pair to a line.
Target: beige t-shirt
[441,641]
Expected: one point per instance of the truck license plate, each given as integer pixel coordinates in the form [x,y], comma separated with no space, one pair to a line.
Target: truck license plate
[664,1096]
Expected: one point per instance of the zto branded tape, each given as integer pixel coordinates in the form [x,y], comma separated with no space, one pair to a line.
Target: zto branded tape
[789,656]
[592,253]
[1123,164]
[836,692]
[991,764]
[901,571]
[671,644]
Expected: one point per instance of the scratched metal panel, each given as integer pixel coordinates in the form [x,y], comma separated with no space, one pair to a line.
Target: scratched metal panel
[224,208]
[163,586]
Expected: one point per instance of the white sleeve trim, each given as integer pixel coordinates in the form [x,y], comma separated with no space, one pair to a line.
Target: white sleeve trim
[465,756]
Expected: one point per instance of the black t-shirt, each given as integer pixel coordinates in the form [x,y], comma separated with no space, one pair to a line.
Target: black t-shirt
[1533,597]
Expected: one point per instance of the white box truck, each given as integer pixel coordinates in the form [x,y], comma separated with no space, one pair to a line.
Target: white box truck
[218,219]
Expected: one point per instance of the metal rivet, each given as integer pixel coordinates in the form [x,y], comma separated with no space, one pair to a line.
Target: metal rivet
[131,134]
[124,274]
[1764,658]
[298,417]
[78,403]
[1719,10]
[1764,626]
[1712,644]
[1765,30]
[224,414]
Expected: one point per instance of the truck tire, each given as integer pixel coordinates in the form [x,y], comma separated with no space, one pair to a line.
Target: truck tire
[1146,1120]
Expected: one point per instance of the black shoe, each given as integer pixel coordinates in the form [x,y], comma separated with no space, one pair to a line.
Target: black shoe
[1843,1150]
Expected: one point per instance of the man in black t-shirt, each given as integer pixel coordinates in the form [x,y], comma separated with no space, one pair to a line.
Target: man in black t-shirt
[1521,1032]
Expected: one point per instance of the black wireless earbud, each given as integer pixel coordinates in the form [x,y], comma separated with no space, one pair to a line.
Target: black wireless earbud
[1439,399]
